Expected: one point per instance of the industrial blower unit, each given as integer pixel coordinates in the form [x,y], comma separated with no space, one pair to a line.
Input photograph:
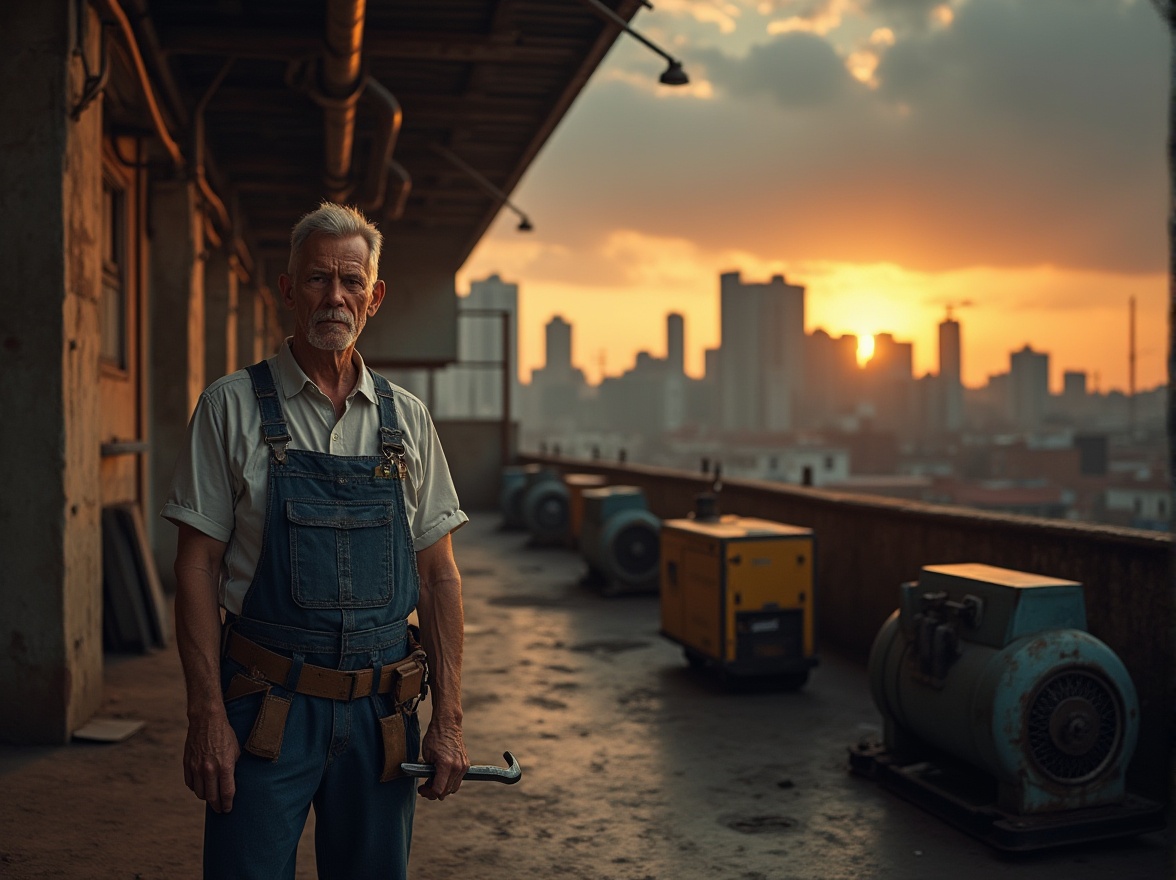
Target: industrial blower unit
[619,540]
[510,498]
[738,594]
[516,480]
[545,507]
[576,484]
[1002,714]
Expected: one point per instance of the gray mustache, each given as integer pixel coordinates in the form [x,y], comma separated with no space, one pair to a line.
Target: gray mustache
[334,315]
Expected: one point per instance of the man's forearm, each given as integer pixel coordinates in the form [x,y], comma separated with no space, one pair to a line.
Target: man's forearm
[443,636]
[198,632]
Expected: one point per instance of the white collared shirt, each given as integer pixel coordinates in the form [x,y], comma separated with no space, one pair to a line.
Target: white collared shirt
[220,481]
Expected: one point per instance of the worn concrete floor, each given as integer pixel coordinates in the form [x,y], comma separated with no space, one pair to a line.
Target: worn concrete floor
[634,767]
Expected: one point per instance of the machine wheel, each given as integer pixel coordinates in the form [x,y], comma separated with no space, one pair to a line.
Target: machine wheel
[693,659]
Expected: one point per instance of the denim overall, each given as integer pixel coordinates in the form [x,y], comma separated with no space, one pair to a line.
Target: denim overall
[336,579]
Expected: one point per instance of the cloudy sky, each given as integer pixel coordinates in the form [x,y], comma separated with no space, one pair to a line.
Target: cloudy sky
[893,156]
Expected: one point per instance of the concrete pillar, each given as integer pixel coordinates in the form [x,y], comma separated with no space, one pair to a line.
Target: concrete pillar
[220,315]
[50,508]
[176,306]
[248,303]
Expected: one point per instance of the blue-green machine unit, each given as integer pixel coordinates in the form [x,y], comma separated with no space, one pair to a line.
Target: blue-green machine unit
[534,497]
[1001,713]
[619,538]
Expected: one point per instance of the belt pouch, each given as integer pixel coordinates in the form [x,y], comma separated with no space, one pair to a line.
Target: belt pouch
[395,738]
[265,740]
[410,677]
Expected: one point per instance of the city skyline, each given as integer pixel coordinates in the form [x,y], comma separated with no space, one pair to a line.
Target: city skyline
[892,158]
[693,353]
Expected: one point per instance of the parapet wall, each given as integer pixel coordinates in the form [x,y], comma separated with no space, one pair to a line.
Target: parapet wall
[868,546]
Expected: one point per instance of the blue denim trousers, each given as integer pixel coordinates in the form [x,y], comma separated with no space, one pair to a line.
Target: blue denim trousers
[331,758]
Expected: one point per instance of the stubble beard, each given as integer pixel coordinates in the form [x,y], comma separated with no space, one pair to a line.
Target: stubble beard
[331,337]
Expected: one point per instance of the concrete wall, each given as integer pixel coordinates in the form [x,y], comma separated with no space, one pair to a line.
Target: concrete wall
[50,532]
[473,448]
[177,328]
[417,323]
[866,547]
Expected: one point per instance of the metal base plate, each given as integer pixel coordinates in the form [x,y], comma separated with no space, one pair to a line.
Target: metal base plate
[967,799]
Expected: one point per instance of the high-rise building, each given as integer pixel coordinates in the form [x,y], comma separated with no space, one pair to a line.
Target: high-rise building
[1028,387]
[676,343]
[890,385]
[762,363]
[832,378]
[558,351]
[951,385]
[557,386]
[1074,402]
[472,388]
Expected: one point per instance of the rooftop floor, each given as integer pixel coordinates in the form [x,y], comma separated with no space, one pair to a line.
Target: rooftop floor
[633,766]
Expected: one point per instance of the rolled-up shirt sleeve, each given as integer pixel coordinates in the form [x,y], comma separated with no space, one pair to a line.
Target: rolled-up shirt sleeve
[437,510]
[202,488]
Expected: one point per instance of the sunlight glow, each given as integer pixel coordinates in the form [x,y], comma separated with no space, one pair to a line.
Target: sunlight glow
[865,349]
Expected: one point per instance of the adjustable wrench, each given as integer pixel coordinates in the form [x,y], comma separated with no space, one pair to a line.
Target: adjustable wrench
[478,772]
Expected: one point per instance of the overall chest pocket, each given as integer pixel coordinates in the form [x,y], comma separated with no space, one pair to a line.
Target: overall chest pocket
[341,553]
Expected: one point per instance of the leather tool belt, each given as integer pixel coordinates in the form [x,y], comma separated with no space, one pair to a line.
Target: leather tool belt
[407,679]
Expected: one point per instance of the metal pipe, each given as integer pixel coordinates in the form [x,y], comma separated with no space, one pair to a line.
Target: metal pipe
[374,190]
[341,87]
[674,75]
[198,170]
[484,182]
[394,208]
[114,11]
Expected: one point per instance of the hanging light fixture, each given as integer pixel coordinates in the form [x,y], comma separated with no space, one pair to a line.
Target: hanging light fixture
[482,181]
[673,75]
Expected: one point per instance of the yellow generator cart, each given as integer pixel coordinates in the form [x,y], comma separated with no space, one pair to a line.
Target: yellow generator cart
[738,594]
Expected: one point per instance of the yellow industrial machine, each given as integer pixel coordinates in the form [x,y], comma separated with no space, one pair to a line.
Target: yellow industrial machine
[738,594]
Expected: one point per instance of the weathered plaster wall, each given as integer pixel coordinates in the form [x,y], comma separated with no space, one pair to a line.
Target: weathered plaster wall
[220,303]
[177,328]
[50,532]
[867,547]
[417,323]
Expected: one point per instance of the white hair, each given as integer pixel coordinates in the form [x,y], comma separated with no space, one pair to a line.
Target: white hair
[341,221]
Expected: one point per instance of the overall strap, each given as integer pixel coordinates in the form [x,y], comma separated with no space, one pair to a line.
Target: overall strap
[391,437]
[273,423]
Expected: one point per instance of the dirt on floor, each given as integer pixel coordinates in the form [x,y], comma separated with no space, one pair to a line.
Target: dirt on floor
[635,767]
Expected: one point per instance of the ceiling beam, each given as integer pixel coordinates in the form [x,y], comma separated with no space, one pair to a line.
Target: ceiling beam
[254,42]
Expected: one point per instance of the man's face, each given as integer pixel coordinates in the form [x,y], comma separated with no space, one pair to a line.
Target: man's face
[330,292]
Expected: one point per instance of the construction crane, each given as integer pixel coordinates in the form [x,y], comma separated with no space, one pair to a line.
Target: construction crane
[956,304]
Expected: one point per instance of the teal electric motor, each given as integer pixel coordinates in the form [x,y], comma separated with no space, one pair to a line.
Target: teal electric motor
[620,539]
[546,506]
[510,497]
[995,667]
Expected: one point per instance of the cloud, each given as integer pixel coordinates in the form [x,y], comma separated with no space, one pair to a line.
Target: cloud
[1027,133]
[721,14]
[795,70]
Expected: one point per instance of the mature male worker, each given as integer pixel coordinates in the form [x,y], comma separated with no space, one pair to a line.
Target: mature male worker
[315,506]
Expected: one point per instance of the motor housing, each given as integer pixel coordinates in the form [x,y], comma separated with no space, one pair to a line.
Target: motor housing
[995,667]
[619,540]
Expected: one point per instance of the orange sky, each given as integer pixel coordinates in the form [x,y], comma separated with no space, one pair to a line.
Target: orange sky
[876,154]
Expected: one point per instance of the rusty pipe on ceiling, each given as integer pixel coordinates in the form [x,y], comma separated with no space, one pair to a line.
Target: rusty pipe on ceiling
[114,11]
[198,149]
[341,86]
[374,191]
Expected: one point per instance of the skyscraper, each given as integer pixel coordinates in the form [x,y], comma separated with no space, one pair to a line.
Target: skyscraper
[558,351]
[1028,387]
[762,361]
[675,343]
[950,375]
[466,391]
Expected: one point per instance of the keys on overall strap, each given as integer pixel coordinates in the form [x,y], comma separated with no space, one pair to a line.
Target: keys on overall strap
[393,467]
